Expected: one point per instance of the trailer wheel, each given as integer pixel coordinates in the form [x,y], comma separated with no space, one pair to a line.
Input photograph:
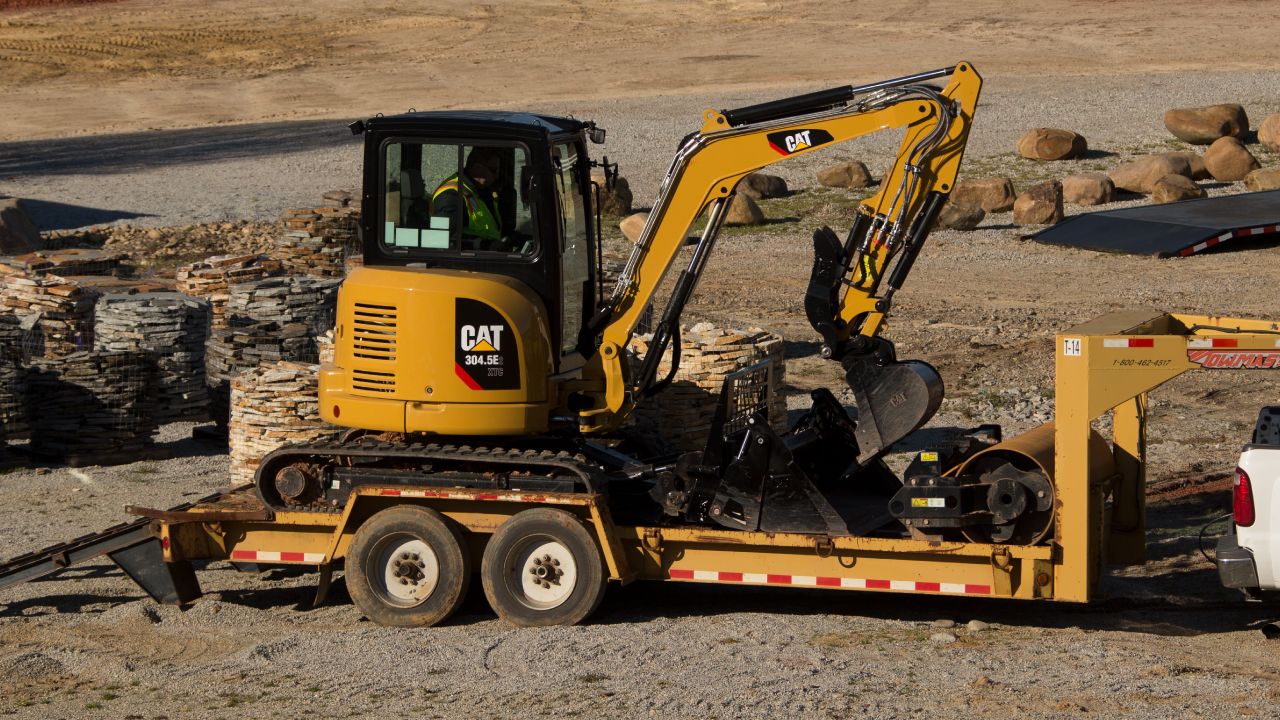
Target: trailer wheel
[542,567]
[408,567]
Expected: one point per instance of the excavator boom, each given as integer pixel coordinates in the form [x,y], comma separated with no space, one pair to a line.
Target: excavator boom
[853,279]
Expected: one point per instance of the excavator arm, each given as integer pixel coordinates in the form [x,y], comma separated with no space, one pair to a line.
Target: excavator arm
[849,294]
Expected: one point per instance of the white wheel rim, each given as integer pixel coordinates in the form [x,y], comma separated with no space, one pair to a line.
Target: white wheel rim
[544,573]
[410,570]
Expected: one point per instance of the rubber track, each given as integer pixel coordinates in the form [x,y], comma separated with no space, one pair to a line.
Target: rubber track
[502,460]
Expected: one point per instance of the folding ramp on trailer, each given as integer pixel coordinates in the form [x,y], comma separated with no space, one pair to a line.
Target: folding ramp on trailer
[1172,230]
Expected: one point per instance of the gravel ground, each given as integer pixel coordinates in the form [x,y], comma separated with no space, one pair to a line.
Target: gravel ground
[1166,642]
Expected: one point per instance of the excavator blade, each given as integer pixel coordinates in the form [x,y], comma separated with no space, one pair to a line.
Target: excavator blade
[894,400]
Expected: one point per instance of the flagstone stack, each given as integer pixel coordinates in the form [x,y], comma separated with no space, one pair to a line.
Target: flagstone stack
[68,261]
[318,240]
[60,310]
[91,408]
[268,320]
[311,301]
[13,417]
[273,405]
[213,277]
[172,328]
[682,414]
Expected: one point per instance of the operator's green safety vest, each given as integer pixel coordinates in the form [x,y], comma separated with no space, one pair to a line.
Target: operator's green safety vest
[480,220]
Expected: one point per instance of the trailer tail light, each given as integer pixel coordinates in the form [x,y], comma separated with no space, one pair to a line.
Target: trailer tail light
[1242,500]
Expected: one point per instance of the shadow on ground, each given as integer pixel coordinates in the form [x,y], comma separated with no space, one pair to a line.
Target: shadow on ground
[60,216]
[125,152]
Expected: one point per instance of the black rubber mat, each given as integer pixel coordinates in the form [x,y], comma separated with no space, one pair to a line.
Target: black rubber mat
[1176,229]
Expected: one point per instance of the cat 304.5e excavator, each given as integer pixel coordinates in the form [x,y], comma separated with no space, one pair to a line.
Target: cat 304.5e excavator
[466,339]
[476,348]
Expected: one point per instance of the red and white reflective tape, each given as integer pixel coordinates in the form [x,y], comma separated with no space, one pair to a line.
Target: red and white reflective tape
[1128,342]
[277,557]
[459,495]
[1247,232]
[829,582]
[1199,343]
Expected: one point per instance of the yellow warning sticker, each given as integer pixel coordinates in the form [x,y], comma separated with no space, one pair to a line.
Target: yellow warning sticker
[928,502]
[929,456]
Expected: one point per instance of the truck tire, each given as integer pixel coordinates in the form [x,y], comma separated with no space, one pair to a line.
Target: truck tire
[408,567]
[541,568]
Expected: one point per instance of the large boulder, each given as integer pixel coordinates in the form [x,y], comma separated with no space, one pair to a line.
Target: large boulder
[1140,175]
[959,216]
[761,186]
[1195,160]
[1173,188]
[1264,179]
[1039,205]
[992,194]
[1203,125]
[1269,132]
[632,225]
[1088,189]
[1228,160]
[1051,144]
[743,211]
[852,174]
[18,235]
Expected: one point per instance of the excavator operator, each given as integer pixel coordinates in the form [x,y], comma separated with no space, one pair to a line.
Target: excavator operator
[477,186]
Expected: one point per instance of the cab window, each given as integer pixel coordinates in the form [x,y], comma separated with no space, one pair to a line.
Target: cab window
[456,198]
[575,259]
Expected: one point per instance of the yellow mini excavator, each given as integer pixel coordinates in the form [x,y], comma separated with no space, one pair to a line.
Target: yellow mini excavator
[478,348]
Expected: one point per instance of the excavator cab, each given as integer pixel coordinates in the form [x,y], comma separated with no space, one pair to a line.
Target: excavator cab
[479,273]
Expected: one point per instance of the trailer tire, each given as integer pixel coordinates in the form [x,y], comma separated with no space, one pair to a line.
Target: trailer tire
[408,567]
[542,567]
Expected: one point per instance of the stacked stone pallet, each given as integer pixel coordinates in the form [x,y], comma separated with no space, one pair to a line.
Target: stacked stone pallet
[61,310]
[69,261]
[212,278]
[91,407]
[324,346]
[172,328]
[13,420]
[269,320]
[682,414]
[317,240]
[272,405]
[298,298]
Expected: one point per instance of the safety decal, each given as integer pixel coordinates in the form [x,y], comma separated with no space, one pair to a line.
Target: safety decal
[486,356]
[1235,359]
[828,582]
[793,141]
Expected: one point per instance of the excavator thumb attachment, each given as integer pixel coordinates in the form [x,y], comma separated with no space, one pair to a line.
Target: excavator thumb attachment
[894,398]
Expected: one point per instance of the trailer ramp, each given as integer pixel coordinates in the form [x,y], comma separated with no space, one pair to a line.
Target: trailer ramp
[1172,230]
[133,546]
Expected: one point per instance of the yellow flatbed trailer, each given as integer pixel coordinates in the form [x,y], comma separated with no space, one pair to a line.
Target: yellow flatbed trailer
[1106,365]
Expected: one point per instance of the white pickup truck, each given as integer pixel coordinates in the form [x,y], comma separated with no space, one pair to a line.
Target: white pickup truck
[1249,558]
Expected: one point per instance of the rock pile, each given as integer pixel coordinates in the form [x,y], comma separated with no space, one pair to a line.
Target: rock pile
[61,310]
[168,246]
[682,414]
[91,407]
[272,405]
[212,278]
[172,328]
[317,241]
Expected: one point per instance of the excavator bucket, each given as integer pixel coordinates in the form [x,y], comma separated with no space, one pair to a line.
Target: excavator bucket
[894,400]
